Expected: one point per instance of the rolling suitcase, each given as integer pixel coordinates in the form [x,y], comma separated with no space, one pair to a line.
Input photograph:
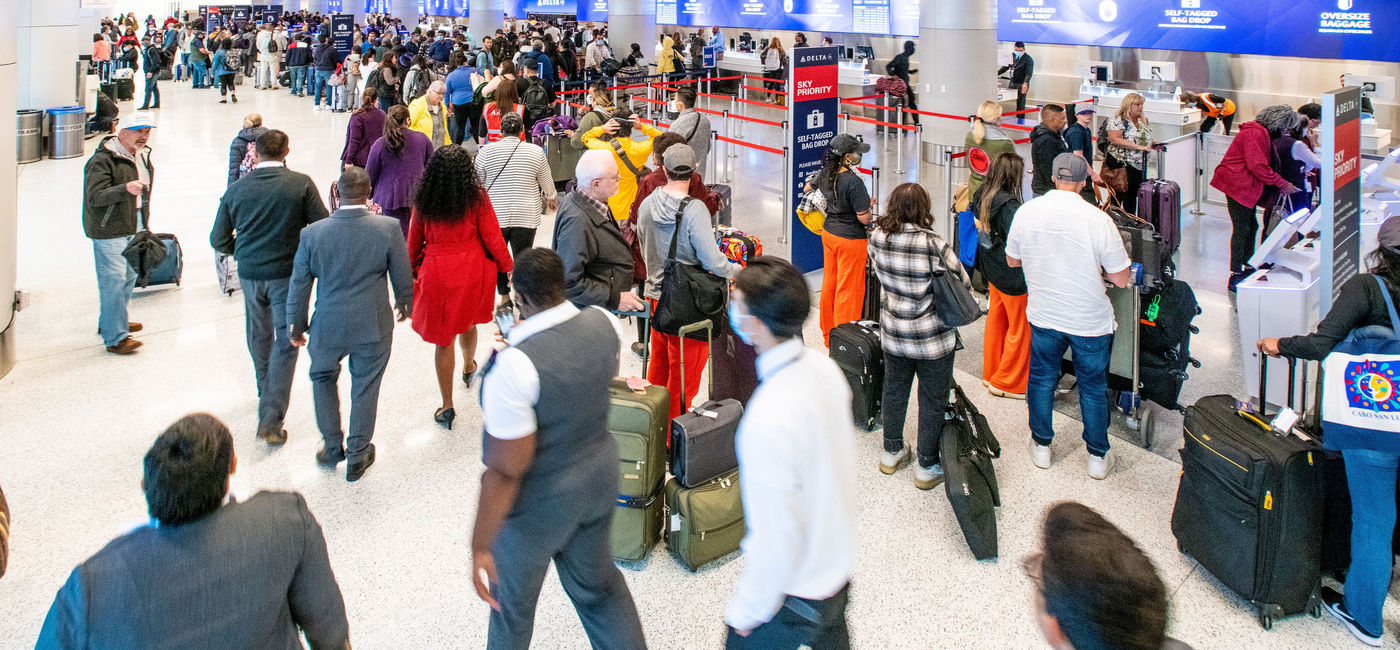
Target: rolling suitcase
[109,89]
[126,89]
[724,216]
[855,347]
[226,268]
[173,267]
[966,451]
[637,421]
[733,369]
[702,440]
[871,309]
[1249,506]
[1159,203]
[704,523]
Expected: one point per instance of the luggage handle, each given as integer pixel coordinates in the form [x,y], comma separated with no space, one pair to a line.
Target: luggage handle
[709,328]
[644,314]
[1264,383]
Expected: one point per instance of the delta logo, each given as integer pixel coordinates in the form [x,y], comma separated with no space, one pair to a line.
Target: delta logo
[1372,386]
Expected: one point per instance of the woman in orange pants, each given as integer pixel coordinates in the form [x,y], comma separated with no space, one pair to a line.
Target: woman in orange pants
[1007,345]
[848,212]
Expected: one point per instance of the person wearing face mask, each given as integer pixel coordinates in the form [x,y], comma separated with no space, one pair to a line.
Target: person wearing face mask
[794,587]
[691,124]
[849,213]
[1022,67]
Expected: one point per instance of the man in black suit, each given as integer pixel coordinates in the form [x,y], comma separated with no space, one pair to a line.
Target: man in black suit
[1022,67]
[209,571]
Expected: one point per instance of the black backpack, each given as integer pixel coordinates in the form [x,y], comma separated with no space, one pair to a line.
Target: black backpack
[421,80]
[537,103]
[609,67]
[1102,136]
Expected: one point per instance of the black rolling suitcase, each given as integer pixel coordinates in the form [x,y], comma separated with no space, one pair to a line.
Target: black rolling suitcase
[1249,507]
[733,369]
[702,440]
[855,347]
[126,89]
[1167,312]
[724,216]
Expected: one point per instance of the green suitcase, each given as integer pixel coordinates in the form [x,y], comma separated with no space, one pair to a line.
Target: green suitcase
[706,522]
[638,422]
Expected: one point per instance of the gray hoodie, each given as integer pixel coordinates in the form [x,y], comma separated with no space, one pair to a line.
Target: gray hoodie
[656,221]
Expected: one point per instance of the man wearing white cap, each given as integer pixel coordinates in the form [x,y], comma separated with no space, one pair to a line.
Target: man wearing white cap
[116,205]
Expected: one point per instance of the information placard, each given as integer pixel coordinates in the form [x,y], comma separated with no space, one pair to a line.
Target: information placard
[1341,190]
[812,114]
[343,33]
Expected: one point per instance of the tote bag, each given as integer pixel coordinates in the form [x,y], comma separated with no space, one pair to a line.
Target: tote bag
[689,293]
[1361,389]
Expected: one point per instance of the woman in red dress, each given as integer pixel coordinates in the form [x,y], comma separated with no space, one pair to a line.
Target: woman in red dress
[456,248]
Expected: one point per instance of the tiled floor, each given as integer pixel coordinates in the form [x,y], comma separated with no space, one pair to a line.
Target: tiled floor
[75,421]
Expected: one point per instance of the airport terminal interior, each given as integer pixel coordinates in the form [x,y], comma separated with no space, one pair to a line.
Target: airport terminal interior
[77,419]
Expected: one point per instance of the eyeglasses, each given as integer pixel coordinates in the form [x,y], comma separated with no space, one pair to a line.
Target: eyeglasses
[1031,566]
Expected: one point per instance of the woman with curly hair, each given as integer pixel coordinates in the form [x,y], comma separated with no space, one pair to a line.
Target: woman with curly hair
[1248,177]
[396,162]
[456,248]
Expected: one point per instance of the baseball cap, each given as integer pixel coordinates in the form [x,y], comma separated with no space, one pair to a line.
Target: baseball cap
[137,120]
[1070,168]
[1085,109]
[680,158]
[530,64]
[1389,234]
[846,143]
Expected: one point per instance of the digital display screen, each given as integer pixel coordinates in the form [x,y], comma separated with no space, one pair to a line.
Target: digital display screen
[897,17]
[1329,29]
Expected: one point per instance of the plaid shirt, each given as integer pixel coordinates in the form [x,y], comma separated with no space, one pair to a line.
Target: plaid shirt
[904,262]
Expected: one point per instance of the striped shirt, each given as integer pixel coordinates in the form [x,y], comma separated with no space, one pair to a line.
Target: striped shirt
[516,176]
[905,262]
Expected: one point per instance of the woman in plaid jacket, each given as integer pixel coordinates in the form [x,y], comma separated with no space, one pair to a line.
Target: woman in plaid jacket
[905,253]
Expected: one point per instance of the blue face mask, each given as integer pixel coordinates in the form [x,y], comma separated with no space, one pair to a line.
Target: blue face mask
[734,319]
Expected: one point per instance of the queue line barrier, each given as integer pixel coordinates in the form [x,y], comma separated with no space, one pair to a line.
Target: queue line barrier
[764,90]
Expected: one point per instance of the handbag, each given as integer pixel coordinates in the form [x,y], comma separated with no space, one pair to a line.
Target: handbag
[952,300]
[811,210]
[689,293]
[1360,401]
[1116,178]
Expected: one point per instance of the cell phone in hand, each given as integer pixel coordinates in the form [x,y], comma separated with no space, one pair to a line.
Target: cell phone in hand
[505,316]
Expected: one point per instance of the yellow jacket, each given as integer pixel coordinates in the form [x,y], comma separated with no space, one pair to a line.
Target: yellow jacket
[666,61]
[421,120]
[638,153]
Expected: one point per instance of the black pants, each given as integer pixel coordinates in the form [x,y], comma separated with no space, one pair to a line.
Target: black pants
[226,84]
[775,84]
[818,624]
[935,377]
[1243,227]
[518,239]
[1020,97]
[1128,197]
[1209,123]
[461,124]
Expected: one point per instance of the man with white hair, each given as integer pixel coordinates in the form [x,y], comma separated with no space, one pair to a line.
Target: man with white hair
[597,259]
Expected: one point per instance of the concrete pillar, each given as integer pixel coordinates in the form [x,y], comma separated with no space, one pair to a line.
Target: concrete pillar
[48,43]
[486,17]
[632,21]
[9,201]
[952,31]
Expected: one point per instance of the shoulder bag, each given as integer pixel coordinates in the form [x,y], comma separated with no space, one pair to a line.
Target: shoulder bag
[636,173]
[952,300]
[689,293]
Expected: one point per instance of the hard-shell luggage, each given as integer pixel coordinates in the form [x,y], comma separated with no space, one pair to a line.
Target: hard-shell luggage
[637,421]
[1249,506]
[733,368]
[1144,246]
[855,347]
[1159,203]
[109,89]
[226,268]
[870,309]
[1167,312]
[706,522]
[701,443]
[173,267]
[126,89]
[966,452]
[724,216]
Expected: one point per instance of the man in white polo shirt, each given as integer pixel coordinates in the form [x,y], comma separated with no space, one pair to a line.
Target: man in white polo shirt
[1067,248]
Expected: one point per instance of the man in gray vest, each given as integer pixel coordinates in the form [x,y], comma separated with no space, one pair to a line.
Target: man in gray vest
[551,466]
[348,257]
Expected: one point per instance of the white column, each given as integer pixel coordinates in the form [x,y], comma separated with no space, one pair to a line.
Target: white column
[47,47]
[952,31]
[9,208]
[632,21]
[486,17]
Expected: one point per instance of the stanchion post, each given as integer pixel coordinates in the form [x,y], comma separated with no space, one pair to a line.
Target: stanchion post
[875,184]
[728,133]
[950,229]
[1200,175]
[614,87]
[899,140]
[710,159]
[788,207]
[785,131]
[884,117]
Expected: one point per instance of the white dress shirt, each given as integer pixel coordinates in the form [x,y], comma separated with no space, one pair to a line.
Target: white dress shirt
[511,388]
[797,475]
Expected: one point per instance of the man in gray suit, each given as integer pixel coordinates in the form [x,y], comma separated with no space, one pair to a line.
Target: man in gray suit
[209,571]
[348,256]
[550,482]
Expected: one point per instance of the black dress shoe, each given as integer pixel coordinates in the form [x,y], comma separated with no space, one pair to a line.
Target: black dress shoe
[330,458]
[356,468]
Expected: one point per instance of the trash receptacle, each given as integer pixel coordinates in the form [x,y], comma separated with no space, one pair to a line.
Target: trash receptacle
[29,136]
[66,131]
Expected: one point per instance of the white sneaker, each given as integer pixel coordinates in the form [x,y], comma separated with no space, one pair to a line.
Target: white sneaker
[1100,466]
[1040,455]
[927,478]
[891,462]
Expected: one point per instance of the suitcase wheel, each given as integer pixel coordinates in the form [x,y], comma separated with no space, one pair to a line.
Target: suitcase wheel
[1266,621]
[1195,363]
[1193,328]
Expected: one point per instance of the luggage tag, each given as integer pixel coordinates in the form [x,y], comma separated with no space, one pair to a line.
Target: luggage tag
[637,384]
[675,523]
[704,412]
[1285,420]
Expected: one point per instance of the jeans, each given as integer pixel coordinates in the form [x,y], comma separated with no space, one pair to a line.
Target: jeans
[1371,477]
[298,79]
[1091,356]
[152,92]
[1243,227]
[385,101]
[184,61]
[115,280]
[319,85]
[200,74]
[935,376]
[270,344]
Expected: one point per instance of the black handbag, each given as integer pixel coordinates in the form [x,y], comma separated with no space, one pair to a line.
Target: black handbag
[689,293]
[952,300]
[145,252]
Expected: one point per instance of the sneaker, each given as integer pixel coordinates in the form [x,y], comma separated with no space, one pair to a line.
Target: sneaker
[1040,454]
[1064,389]
[1333,601]
[927,478]
[1100,466]
[890,462]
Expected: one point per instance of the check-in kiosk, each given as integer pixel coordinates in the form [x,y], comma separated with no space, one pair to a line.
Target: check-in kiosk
[1280,299]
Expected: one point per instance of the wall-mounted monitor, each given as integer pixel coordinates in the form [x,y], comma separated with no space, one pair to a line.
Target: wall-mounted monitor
[1378,88]
[864,52]
[1099,71]
[1156,70]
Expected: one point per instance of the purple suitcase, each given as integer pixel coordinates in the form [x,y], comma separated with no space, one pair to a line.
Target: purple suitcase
[1159,203]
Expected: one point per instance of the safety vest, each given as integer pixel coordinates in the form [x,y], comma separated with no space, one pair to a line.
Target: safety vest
[493,121]
[1216,109]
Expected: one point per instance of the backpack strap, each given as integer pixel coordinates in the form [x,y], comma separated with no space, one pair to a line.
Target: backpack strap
[675,234]
[617,146]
